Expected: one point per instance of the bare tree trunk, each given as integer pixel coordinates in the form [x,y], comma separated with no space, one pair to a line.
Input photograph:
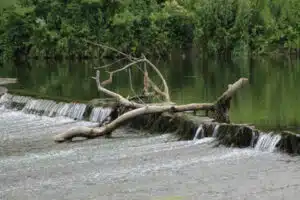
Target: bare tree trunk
[222,105]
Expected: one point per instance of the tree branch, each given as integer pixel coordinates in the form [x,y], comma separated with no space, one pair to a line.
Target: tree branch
[166,88]
[118,97]
[110,48]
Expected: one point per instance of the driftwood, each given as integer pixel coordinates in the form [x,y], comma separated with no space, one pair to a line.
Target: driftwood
[219,108]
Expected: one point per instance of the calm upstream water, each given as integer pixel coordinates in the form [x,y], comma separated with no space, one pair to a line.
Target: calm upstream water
[270,101]
[134,165]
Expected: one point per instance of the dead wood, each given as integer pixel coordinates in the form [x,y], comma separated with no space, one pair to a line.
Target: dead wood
[220,107]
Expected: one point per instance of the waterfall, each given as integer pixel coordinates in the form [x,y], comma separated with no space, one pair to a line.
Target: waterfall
[267,142]
[216,129]
[252,139]
[52,109]
[43,107]
[39,107]
[5,98]
[199,131]
[76,111]
[16,102]
[100,114]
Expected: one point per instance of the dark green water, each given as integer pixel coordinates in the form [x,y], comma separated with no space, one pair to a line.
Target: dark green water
[272,99]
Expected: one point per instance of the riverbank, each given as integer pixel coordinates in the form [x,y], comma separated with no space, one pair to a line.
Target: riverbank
[152,28]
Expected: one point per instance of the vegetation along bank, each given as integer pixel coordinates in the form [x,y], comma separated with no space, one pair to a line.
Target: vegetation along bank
[61,28]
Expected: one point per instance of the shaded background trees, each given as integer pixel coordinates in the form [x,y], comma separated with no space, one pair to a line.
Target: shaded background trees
[55,28]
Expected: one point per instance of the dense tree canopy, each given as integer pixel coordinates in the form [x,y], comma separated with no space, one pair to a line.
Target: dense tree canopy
[56,28]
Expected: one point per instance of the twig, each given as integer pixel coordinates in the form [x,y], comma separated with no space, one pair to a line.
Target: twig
[127,66]
[166,89]
[108,81]
[110,48]
[131,86]
[135,61]
[110,64]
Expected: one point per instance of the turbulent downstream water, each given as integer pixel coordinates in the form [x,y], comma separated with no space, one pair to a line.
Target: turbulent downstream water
[132,165]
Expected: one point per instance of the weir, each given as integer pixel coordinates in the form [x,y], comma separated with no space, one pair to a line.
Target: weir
[49,108]
[243,136]
[62,113]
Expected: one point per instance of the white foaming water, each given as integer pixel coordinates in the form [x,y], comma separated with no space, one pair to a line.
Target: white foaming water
[198,132]
[17,124]
[38,106]
[76,111]
[205,140]
[8,99]
[216,129]
[267,142]
[100,114]
[5,97]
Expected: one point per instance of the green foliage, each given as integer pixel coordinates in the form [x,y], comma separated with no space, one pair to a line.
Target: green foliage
[55,28]
[6,3]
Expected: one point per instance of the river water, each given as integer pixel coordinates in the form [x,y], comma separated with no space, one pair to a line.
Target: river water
[270,100]
[134,165]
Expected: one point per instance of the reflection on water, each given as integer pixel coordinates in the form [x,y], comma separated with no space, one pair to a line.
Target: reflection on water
[270,101]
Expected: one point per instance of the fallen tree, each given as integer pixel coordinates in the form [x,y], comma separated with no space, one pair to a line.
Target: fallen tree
[219,108]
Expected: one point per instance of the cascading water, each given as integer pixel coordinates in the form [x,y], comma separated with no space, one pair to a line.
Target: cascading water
[215,132]
[40,107]
[267,142]
[199,131]
[43,107]
[100,114]
[76,111]
[15,102]
[50,108]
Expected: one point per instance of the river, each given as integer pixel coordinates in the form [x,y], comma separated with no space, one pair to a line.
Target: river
[270,100]
[135,165]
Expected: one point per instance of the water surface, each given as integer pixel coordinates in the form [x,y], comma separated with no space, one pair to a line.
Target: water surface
[270,101]
[132,166]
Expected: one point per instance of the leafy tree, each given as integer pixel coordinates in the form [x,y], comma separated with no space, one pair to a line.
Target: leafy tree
[56,28]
